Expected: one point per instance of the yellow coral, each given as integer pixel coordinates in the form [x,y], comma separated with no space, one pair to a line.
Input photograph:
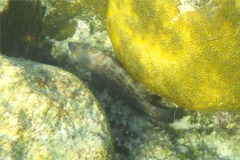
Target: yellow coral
[190,57]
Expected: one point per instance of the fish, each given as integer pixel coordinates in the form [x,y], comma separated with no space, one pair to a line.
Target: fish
[117,77]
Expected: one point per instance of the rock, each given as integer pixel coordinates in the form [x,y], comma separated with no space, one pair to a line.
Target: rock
[207,137]
[47,113]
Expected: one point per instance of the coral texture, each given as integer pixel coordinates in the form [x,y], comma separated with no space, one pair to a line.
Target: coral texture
[187,52]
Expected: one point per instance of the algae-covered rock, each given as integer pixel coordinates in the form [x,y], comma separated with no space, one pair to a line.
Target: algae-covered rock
[185,51]
[47,113]
[197,136]
[60,19]
[214,137]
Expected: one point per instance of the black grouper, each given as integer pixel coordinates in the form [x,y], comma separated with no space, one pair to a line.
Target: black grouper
[113,74]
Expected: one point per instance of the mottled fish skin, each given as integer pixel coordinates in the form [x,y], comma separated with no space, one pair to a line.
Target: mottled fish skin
[105,67]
